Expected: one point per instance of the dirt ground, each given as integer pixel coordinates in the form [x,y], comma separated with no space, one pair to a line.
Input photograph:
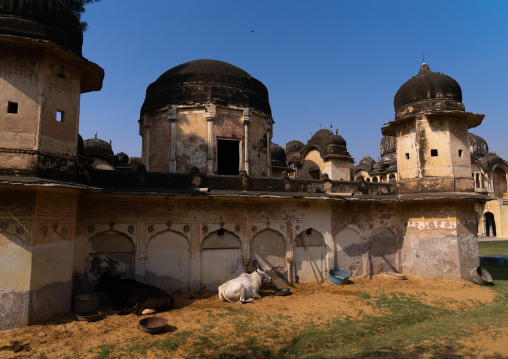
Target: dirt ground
[65,336]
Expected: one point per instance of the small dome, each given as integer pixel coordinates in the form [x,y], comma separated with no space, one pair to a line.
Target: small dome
[202,81]
[327,144]
[47,20]
[278,155]
[121,158]
[365,164]
[477,145]
[95,147]
[428,91]
[388,145]
[293,146]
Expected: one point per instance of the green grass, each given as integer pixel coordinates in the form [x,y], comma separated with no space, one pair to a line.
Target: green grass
[404,326]
[493,248]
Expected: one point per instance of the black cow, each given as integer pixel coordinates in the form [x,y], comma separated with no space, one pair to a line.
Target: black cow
[133,296]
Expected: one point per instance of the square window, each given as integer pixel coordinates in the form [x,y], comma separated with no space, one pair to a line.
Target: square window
[12,107]
[460,153]
[407,156]
[433,153]
[60,116]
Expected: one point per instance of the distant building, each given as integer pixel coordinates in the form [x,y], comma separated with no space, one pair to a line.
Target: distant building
[212,196]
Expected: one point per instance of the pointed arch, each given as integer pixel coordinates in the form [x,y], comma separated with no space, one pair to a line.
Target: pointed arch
[268,249]
[110,251]
[220,258]
[350,248]
[309,256]
[168,261]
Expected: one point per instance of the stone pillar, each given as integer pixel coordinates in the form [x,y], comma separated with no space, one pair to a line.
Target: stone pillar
[418,131]
[247,117]
[210,115]
[268,146]
[289,261]
[145,132]
[171,114]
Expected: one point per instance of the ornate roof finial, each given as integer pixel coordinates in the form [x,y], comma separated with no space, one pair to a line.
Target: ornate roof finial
[95,134]
[423,56]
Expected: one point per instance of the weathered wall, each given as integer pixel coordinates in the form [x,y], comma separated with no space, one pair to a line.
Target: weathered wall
[440,240]
[61,92]
[191,135]
[15,258]
[36,256]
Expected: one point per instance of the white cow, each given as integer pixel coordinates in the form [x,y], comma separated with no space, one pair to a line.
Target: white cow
[244,288]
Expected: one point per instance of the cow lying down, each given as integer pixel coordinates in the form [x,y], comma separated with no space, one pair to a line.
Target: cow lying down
[244,288]
[133,296]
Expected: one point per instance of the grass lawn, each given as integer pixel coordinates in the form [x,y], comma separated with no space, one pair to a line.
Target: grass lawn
[493,248]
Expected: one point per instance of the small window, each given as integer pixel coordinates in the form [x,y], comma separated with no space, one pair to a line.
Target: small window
[308,231]
[433,153]
[12,107]
[220,232]
[460,153]
[314,174]
[407,156]
[60,116]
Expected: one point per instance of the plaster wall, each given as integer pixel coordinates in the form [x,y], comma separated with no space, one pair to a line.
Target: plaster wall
[19,83]
[312,162]
[407,156]
[258,156]
[61,92]
[338,169]
[440,240]
[191,140]
[159,141]
[459,148]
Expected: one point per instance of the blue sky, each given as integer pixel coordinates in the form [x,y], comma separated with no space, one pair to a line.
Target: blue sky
[324,63]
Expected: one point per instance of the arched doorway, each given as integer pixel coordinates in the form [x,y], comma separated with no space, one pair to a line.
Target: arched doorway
[310,245]
[268,249]
[490,224]
[220,258]
[111,252]
[168,261]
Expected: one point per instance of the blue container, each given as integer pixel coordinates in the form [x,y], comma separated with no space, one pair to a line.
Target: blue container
[337,277]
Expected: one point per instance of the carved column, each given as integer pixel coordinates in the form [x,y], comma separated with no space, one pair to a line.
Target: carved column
[418,130]
[289,262]
[268,146]
[247,117]
[210,114]
[171,114]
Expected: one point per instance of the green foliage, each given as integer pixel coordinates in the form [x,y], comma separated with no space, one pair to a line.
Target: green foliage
[78,8]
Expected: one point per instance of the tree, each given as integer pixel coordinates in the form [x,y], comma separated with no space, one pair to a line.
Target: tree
[78,8]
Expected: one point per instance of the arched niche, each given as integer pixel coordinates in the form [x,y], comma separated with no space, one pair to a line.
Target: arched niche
[168,261]
[349,250]
[383,249]
[490,224]
[111,252]
[220,258]
[500,184]
[310,245]
[268,249]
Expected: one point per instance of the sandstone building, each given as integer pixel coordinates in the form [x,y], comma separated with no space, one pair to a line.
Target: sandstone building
[211,195]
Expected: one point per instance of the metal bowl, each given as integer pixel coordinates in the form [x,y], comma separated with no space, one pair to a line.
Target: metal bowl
[337,277]
[89,317]
[480,276]
[153,325]
[282,291]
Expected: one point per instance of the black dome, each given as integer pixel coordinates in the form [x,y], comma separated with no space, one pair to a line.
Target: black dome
[327,144]
[202,81]
[48,20]
[428,91]
[477,145]
[278,155]
[95,147]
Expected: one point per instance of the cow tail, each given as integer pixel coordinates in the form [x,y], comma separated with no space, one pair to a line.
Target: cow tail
[223,295]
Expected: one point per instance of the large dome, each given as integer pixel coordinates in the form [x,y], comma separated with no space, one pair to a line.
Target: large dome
[47,20]
[428,91]
[327,144]
[203,81]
